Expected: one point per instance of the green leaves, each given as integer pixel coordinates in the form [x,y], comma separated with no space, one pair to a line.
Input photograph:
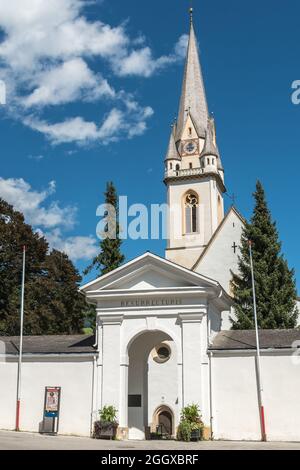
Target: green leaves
[110,256]
[53,304]
[274,281]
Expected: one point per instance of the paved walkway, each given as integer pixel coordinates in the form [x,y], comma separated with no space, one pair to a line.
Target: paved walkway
[27,441]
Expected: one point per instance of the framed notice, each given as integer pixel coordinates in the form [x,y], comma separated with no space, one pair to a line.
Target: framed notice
[52,402]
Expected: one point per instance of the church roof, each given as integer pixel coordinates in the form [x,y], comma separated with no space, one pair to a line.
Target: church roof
[49,344]
[216,234]
[172,153]
[210,149]
[193,98]
[245,339]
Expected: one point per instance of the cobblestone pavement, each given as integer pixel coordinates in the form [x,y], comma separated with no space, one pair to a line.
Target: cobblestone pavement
[28,441]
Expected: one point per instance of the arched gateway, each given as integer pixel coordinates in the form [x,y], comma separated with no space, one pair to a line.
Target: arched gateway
[154,319]
[152,385]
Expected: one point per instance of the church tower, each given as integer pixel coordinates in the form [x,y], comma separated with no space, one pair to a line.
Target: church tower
[194,174]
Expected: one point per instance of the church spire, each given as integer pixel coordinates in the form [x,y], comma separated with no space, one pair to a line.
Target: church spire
[193,99]
[172,153]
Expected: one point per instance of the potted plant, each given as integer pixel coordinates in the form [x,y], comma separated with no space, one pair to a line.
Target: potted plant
[106,427]
[191,426]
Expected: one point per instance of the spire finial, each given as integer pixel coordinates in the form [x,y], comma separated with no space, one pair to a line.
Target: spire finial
[191,14]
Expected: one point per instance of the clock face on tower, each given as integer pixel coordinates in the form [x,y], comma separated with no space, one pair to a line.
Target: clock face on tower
[190,147]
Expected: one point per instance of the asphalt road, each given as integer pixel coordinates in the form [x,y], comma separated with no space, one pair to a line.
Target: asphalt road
[27,441]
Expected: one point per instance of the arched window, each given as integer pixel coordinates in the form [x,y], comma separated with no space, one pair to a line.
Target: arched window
[191,203]
[171,166]
[177,167]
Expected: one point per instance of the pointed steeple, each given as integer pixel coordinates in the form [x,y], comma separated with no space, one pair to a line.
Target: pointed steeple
[210,148]
[172,153]
[193,99]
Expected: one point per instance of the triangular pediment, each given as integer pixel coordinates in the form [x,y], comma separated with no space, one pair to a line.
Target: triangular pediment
[148,272]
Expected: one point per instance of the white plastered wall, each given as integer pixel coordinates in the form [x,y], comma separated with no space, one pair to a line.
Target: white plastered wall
[235,400]
[74,376]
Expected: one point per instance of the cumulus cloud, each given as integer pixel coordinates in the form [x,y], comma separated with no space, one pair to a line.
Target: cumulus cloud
[68,82]
[47,56]
[48,219]
[80,131]
[30,202]
[76,247]
[141,62]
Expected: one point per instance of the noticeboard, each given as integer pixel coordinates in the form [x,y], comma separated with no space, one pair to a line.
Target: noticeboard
[52,402]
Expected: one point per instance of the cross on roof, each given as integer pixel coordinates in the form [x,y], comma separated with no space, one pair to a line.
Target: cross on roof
[234,246]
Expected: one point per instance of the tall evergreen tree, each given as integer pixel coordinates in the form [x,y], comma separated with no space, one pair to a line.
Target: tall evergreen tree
[274,281]
[110,256]
[52,301]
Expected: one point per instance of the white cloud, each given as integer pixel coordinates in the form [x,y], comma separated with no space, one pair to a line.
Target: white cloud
[20,194]
[77,247]
[141,61]
[45,60]
[50,220]
[115,126]
[68,82]
[36,157]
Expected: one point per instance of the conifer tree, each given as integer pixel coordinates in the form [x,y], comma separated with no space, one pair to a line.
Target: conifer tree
[110,256]
[274,281]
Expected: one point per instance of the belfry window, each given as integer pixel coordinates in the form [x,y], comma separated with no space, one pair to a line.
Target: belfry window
[191,203]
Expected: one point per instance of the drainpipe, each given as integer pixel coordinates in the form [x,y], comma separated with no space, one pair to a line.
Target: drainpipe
[211,396]
[94,382]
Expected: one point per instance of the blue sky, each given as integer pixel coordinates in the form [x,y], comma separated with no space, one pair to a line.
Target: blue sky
[93,101]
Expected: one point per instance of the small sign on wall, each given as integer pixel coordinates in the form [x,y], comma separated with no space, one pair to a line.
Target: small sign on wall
[51,409]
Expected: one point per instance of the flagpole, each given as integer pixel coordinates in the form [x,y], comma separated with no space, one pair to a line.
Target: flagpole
[19,379]
[259,381]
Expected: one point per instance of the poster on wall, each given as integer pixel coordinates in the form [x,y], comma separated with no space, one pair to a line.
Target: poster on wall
[52,402]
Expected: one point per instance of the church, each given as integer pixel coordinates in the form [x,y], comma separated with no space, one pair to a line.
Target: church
[163,338]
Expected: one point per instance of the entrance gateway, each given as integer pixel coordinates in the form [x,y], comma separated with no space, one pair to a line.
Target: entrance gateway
[153,357]
[152,385]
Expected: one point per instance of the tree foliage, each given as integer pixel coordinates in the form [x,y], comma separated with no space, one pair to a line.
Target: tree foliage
[274,281]
[110,256]
[53,304]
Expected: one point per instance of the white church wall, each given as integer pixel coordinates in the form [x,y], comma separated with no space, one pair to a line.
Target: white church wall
[185,249]
[75,376]
[152,380]
[226,324]
[163,384]
[235,400]
[220,259]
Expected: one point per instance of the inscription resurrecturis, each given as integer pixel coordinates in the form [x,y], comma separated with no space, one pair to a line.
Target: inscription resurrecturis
[150,302]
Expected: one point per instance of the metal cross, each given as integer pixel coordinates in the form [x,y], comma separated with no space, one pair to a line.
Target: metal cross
[234,246]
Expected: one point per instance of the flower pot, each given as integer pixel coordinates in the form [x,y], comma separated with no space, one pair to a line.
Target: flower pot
[196,435]
[105,430]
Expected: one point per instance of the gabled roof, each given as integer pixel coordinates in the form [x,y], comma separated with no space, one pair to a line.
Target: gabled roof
[49,344]
[193,97]
[147,261]
[232,209]
[245,339]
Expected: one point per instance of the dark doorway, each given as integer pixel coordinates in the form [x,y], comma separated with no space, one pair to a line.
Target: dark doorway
[165,422]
